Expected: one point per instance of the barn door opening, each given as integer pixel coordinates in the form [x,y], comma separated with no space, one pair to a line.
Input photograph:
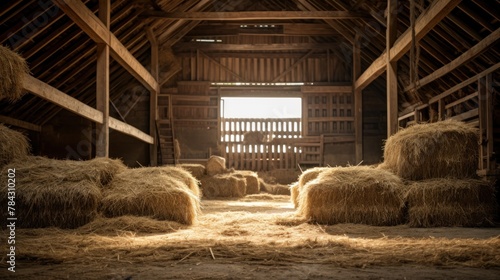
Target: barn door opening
[258,133]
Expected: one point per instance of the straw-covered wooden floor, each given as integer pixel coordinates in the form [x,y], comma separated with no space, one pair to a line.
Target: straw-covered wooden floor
[252,238]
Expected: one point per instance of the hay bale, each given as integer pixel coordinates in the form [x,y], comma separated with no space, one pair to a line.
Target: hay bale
[176,173]
[103,170]
[149,192]
[197,170]
[308,175]
[98,170]
[355,194]
[451,202]
[47,196]
[276,189]
[223,185]
[13,145]
[436,150]
[13,67]
[252,181]
[216,165]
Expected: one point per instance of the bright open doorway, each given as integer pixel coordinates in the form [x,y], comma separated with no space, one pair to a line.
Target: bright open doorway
[261,107]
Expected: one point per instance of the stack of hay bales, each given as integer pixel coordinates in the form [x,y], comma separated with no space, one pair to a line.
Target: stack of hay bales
[13,145]
[60,193]
[224,185]
[252,180]
[12,70]
[162,193]
[355,194]
[440,161]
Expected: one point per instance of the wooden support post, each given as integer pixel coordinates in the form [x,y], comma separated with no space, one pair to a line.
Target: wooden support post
[486,140]
[153,96]
[102,84]
[392,79]
[358,99]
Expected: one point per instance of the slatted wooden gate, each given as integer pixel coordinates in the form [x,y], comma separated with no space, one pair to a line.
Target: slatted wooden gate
[280,144]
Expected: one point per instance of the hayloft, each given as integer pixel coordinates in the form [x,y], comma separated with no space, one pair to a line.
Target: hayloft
[228,139]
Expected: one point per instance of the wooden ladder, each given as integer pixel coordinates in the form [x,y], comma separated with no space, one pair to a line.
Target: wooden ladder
[165,132]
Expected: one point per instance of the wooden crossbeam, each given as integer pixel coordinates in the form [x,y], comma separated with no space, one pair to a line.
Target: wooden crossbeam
[20,123]
[254,15]
[98,32]
[252,47]
[425,22]
[465,83]
[67,102]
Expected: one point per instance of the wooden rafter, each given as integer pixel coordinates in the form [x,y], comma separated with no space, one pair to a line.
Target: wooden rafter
[466,56]
[91,25]
[252,47]
[254,15]
[425,22]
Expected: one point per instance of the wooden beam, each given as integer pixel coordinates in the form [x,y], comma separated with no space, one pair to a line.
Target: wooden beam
[304,4]
[293,66]
[251,47]
[61,99]
[102,84]
[67,102]
[391,69]
[98,32]
[466,56]
[465,83]
[326,89]
[153,95]
[129,130]
[358,100]
[254,15]
[20,123]
[186,6]
[425,22]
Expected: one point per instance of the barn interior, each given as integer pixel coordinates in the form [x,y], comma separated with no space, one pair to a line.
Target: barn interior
[122,162]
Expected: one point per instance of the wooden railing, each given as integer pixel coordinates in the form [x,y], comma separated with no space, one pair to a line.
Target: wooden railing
[281,147]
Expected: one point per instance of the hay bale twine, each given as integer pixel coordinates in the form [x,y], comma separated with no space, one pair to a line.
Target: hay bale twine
[13,145]
[216,165]
[355,194]
[146,192]
[197,170]
[436,150]
[252,181]
[13,67]
[308,175]
[48,196]
[451,202]
[223,185]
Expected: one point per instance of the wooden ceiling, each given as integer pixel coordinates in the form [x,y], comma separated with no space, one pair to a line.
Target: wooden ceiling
[61,54]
